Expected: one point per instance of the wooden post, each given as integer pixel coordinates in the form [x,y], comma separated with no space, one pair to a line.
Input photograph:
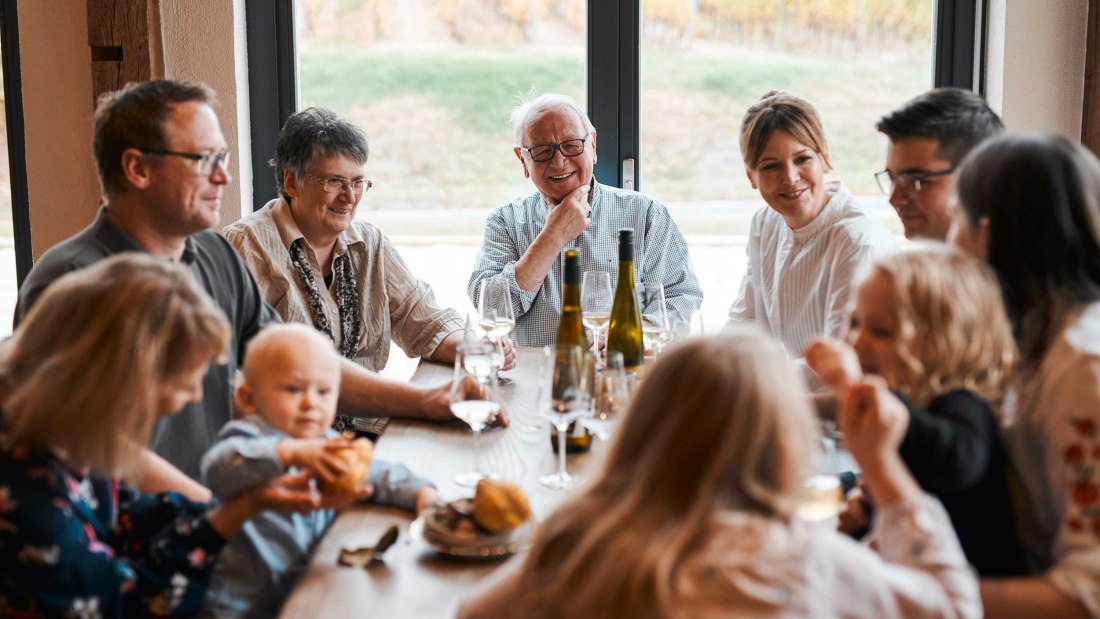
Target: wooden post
[124,36]
[1090,113]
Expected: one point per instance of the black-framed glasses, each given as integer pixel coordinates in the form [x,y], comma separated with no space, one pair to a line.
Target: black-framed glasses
[205,163]
[907,181]
[545,152]
[335,184]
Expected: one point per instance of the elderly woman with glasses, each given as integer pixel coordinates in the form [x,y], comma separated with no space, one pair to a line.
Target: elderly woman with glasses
[315,263]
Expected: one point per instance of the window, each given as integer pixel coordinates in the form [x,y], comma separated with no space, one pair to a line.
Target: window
[15,254]
[664,81]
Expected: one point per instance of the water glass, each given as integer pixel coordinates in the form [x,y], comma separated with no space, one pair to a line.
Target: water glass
[563,399]
[476,406]
[655,326]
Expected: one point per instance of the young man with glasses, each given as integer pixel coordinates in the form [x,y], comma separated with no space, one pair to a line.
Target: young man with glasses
[161,158]
[556,145]
[929,137]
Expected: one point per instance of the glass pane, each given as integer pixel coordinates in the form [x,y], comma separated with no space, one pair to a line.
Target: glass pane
[432,83]
[8,290]
[705,61]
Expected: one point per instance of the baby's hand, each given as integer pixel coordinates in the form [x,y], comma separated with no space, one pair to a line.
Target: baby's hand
[836,363]
[318,455]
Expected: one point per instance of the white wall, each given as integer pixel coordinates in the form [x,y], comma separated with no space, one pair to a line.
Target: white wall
[1037,82]
[204,41]
[56,72]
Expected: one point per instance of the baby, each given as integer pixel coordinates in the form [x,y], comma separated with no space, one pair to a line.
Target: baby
[288,399]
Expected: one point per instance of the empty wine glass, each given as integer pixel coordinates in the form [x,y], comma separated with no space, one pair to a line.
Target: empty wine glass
[691,327]
[596,298]
[496,317]
[477,407]
[612,394]
[655,327]
[563,398]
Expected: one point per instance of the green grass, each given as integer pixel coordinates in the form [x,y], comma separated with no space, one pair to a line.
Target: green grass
[439,122]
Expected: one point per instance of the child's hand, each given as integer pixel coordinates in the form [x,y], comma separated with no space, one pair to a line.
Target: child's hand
[836,363]
[425,498]
[873,421]
[318,455]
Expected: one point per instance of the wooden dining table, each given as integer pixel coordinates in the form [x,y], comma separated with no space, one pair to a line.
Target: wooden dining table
[412,580]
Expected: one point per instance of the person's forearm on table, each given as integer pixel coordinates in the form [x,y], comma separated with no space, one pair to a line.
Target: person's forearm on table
[366,394]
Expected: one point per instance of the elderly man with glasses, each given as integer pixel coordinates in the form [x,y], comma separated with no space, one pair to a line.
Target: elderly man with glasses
[929,137]
[556,145]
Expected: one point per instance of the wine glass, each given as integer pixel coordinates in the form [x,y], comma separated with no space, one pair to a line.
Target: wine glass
[496,317]
[563,398]
[655,328]
[596,300]
[612,394]
[823,494]
[479,407]
[692,327]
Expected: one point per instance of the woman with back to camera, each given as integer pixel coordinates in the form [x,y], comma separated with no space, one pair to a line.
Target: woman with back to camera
[1030,206]
[103,354]
[692,515]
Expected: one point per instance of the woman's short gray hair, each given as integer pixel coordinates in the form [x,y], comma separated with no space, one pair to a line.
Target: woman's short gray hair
[312,134]
[531,108]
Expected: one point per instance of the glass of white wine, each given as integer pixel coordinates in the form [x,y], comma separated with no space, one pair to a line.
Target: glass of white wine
[563,399]
[496,318]
[823,494]
[655,328]
[596,298]
[477,407]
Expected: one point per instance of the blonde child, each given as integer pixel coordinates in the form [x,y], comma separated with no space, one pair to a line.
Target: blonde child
[692,514]
[806,245]
[288,396]
[931,323]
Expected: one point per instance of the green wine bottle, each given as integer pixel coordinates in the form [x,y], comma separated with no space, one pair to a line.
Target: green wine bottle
[571,333]
[625,331]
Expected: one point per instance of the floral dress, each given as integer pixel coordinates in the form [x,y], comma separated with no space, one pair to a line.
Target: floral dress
[79,545]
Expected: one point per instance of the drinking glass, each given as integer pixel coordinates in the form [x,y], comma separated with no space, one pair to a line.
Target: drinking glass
[692,327]
[496,317]
[596,298]
[563,398]
[823,494]
[476,409]
[655,327]
[612,394]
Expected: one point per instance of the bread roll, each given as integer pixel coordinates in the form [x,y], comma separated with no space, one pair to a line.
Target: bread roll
[358,457]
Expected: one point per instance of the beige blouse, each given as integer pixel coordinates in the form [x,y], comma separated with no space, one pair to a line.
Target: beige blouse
[395,304]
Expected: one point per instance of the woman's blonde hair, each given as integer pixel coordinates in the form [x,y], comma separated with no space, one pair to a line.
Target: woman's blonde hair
[722,423]
[82,371]
[778,110]
[953,329]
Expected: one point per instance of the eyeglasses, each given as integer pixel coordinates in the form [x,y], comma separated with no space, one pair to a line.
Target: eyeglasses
[545,152]
[335,184]
[205,163]
[907,180]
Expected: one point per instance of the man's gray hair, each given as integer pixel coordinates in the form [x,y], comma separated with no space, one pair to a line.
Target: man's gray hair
[531,108]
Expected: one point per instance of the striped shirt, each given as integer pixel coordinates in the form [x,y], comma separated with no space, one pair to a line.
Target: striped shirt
[660,256]
[799,282]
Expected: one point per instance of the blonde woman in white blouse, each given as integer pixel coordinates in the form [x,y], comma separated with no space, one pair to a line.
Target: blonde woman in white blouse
[693,512]
[806,246]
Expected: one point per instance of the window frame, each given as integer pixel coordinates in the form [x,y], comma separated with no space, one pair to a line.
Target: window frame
[17,145]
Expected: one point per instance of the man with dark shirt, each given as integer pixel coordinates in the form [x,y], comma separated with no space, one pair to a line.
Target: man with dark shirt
[163,164]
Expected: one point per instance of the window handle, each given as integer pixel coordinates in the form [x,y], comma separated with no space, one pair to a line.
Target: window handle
[628,173]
